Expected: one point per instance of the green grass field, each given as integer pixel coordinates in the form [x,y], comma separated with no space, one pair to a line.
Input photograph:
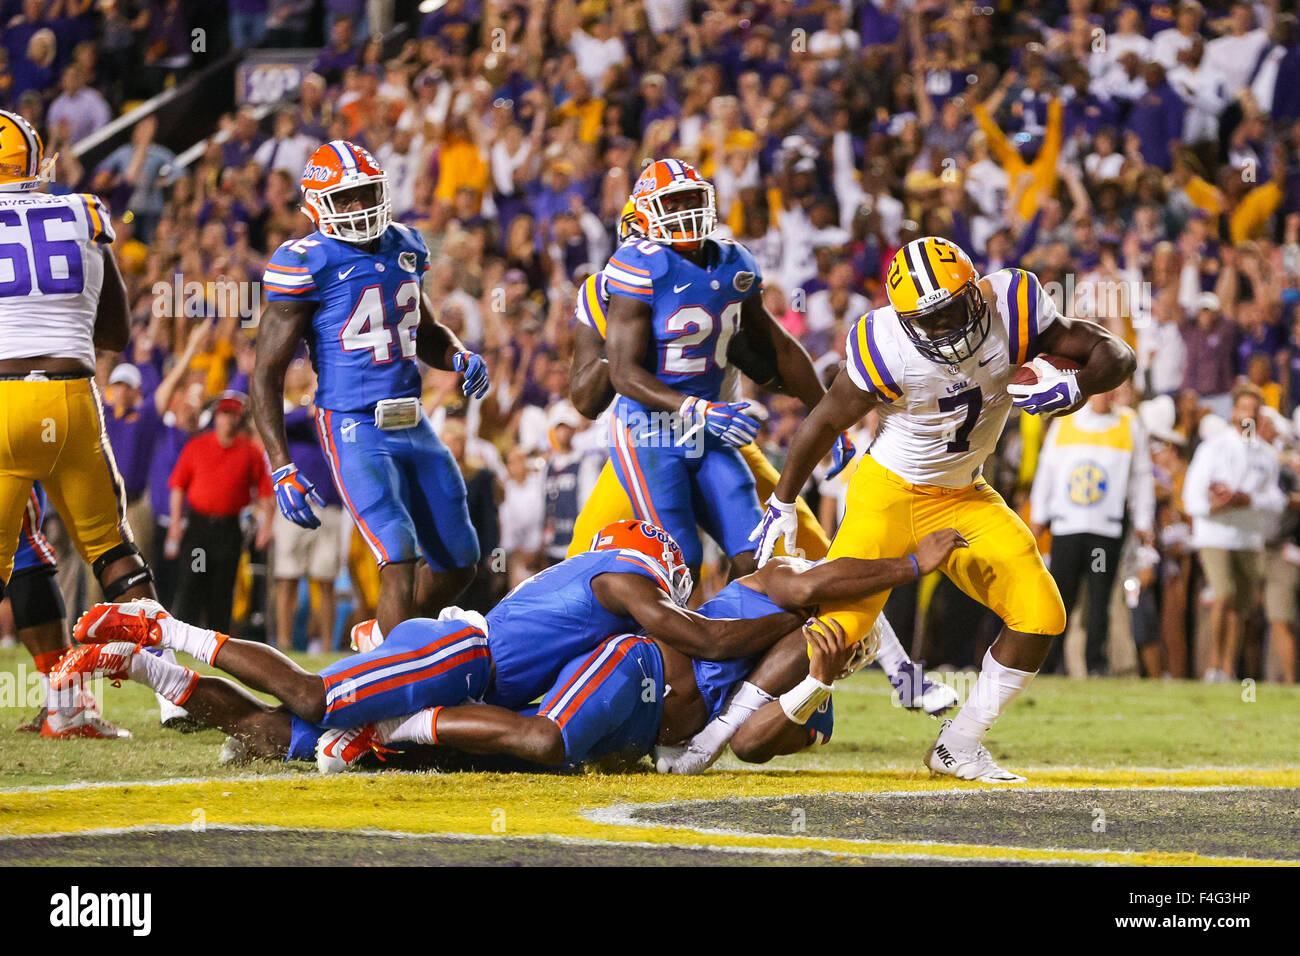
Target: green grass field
[1058,723]
[1116,745]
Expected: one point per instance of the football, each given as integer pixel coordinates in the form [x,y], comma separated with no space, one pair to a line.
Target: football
[1027,374]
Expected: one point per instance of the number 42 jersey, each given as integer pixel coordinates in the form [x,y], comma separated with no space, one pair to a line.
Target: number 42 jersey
[362,335]
[939,421]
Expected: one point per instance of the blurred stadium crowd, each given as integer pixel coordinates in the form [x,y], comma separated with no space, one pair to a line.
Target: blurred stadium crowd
[1141,158]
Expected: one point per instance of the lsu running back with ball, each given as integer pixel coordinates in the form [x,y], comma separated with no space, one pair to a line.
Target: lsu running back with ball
[937,366]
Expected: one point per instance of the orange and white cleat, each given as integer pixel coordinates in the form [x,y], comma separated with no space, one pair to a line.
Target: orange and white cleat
[89,662]
[63,726]
[336,750]
[135,621]
[366,636]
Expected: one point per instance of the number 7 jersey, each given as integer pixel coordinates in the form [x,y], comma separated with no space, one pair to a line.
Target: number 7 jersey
[939,422]
[362,336]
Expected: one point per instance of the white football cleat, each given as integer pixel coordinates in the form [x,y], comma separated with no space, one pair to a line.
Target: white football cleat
[336,750]
[964,763]
[916,691]
[681,759]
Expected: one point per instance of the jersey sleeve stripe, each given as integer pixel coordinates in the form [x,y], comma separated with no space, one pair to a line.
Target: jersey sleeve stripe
[280,268]
[633,269]
[1021,300]
[630,290]
[95,217]
[633,557]
[274,274]
[614,272]
[272,287]
[1013,320]
[871,364]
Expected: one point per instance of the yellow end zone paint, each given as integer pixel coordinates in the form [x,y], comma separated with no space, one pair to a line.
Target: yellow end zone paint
[517,805]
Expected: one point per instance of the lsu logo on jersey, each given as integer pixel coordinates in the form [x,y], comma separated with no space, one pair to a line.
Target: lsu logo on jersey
[1087,483]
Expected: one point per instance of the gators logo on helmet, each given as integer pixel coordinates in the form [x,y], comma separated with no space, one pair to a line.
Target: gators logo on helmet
[22,155]
[934,288]
[674,204]
[335,177]
[656,544]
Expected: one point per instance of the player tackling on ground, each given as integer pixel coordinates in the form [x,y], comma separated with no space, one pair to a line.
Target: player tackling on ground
[938,364]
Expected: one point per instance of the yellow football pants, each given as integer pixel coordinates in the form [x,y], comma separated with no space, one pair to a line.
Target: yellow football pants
[608,503]
[885,517]
[53,432]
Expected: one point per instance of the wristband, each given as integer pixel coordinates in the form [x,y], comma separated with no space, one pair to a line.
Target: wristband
[916,565]
[802,701]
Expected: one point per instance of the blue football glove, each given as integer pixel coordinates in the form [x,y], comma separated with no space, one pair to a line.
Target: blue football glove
[1054,391]
[727,420]
[475,371]
[842,454]
[295,495]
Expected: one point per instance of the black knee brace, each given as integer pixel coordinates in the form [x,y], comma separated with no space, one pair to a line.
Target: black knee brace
[35,597]
[119,586]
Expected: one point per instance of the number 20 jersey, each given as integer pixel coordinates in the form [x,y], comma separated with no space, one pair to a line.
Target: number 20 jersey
[51,274]
[939,422]
[362,336]
[695,309]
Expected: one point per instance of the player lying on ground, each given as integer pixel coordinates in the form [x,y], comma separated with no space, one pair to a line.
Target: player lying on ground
[622,697]
[592,393]
[633,578]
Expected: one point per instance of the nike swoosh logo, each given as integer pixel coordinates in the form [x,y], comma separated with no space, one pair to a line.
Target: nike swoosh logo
[679,288]
[986,361]
[344,275]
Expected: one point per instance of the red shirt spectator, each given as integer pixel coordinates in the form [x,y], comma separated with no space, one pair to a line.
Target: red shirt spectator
[219,478]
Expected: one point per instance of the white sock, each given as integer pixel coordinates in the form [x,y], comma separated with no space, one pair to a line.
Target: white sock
[996,688]
[166,678]
[57,701]
[416,728]
[891,655]
[198,642]
[747,699]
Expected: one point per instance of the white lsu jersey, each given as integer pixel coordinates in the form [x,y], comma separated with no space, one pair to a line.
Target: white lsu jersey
[939,421]
[51,274]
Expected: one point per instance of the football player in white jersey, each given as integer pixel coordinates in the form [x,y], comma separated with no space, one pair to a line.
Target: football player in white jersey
[937,365]
[61,298]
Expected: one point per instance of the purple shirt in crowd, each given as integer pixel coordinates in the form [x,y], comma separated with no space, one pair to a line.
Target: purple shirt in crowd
[167,449]
[134,437]
[1211,357]
[305,452]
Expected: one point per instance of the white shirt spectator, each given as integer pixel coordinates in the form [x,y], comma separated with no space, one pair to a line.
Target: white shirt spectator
[596,56]
[1161,353]
[403,169]
[1085,487]
[289,154]
[830,44]
[1167,44]
[1264,86]
[1236,57]
[506,163]
[1243,464]
[84,111]
[1100,167]
[522,513]
[1205,91]
[821,316]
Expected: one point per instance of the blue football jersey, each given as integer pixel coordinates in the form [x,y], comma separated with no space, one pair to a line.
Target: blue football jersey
[552,617]
[362,337]
[696,309]
[716,679]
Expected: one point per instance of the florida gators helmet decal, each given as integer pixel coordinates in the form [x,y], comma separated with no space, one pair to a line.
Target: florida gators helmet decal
[658,546]
[336,175]
[674,204]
